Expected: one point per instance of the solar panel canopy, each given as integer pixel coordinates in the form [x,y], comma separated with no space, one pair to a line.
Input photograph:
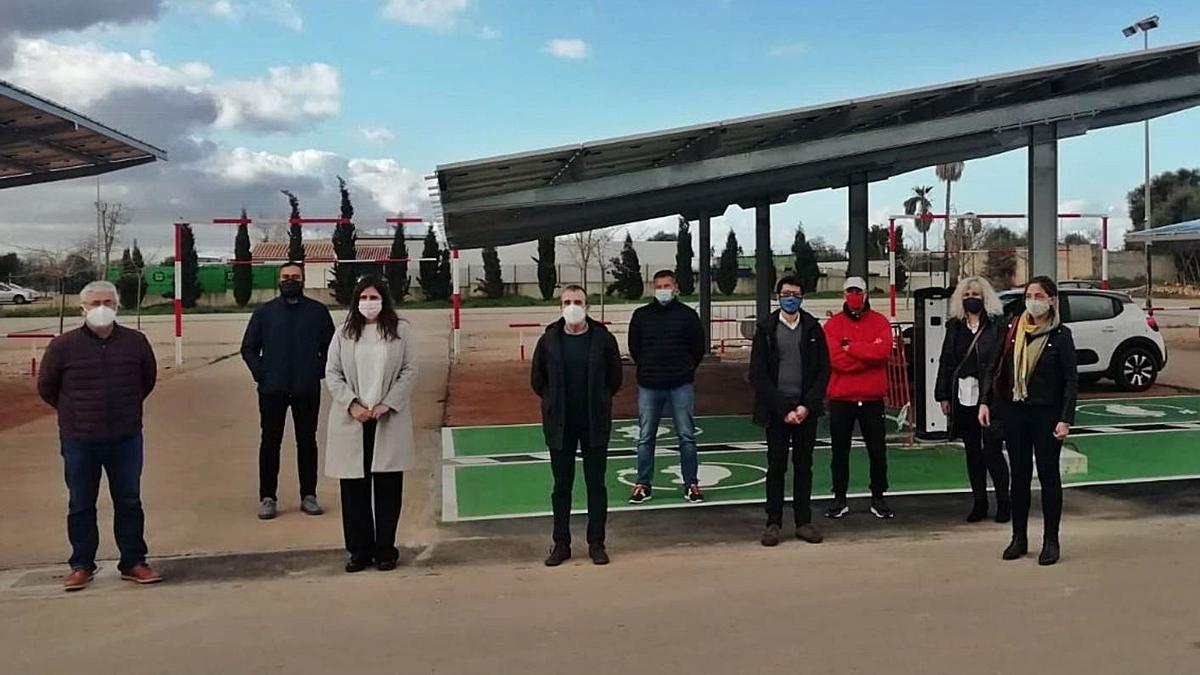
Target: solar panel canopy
[41,141]
[705,168]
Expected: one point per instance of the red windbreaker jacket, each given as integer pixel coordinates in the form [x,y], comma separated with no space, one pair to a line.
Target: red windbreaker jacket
[860,372]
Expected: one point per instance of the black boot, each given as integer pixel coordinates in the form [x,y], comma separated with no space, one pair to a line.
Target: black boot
[1003,511]
[1050,551]
[979,511]
[558,555]
[1017,548]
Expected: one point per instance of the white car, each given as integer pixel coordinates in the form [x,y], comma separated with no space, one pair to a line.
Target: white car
[17,294]
[1114,337]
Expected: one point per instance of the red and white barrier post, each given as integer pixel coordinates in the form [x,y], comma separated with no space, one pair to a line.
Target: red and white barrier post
[179,294]
[892,266]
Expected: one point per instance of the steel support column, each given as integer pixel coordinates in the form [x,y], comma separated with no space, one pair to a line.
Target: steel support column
[1043,201]
[858,221]
[706,278]
[763,260]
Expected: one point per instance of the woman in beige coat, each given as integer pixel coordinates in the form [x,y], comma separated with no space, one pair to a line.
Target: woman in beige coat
[371,372]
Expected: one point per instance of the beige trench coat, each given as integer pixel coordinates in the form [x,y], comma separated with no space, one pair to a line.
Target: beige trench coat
[395,447]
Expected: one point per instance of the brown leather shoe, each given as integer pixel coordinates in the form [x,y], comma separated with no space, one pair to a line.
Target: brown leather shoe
[78,580]
[142,574]
[809,533]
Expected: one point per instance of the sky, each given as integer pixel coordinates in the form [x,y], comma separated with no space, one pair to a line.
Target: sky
[253,96]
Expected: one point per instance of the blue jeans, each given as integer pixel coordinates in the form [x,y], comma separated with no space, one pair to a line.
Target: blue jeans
[682,400]
[122,461]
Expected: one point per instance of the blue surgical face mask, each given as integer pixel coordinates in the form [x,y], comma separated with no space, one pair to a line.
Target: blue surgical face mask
[664,295]
[790,304]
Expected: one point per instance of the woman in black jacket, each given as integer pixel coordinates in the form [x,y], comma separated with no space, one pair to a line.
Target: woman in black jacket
[1034,386]
[973,336]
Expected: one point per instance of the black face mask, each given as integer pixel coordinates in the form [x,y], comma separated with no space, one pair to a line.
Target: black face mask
[973,305]
[291,288]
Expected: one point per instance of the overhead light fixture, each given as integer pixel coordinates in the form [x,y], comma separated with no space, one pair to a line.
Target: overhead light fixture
[1148,23]
[1129,31]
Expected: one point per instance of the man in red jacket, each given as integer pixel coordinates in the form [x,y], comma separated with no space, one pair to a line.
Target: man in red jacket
[860,343]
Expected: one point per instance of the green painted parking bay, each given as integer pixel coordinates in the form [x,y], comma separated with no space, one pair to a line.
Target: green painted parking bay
[503,472]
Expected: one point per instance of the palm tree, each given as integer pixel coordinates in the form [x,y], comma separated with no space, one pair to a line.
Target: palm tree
[949,173]
[917,205]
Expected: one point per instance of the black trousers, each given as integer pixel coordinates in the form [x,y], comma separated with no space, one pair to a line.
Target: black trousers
[869,415]
[1029,431]
[985,455]
[798,441]
[272,412]
[371,533]
[562,464]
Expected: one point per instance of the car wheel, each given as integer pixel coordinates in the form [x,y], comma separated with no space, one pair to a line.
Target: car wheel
[1136,369]
[18,299]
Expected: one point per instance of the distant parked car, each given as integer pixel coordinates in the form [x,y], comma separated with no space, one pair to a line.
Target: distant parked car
[1080,283]
[1114,337]
[17,295]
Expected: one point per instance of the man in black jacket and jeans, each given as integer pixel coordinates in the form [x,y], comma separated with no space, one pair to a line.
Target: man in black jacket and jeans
[285,347]
[576,372]
[666,341]
[789,370]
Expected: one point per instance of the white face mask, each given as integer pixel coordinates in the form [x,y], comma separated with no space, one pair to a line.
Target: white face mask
[370,308]
[664,295]
[1037,308]
[574,314]
[100,317]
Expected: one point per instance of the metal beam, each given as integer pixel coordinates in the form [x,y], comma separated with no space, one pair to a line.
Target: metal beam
[1043,201]
[78,172]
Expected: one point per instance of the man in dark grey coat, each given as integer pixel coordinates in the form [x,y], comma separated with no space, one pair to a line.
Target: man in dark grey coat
[285,347]
[576,372]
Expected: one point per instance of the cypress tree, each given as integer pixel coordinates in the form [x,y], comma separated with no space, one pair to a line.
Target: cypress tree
[295,230]
[492,283]
[431,257]
[627,273]
[683,258]
[727,266]
[805,261]
[546,270]
[397,272]
[243,274]
[345,275]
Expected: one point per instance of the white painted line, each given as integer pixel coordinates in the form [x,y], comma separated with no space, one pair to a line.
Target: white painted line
[857,495]
[447,442]
[449,495]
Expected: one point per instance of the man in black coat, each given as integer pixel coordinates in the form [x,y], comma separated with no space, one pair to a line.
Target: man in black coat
[576,372]
[666,341]
[285,347]
[789,370]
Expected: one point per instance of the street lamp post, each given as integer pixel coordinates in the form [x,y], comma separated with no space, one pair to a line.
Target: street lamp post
[1144,27]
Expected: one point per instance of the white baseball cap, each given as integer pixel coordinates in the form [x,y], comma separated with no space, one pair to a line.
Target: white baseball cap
[854,282]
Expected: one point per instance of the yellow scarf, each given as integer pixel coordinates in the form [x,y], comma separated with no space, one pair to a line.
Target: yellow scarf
[1031,338]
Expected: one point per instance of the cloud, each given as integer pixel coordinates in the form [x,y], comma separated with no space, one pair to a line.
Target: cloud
[790,50]
[378,134]
[437,14]
[394,188]
[567,48]
[183,109]
[287,99]
[82,74]
[489,33]
[38,17]
[282,12]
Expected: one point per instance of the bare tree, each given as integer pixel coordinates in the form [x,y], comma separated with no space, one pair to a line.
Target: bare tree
[267,230]
[111,216]
[588,247]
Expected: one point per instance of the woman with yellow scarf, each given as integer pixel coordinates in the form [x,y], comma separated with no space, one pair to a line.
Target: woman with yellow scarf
[1034,384]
